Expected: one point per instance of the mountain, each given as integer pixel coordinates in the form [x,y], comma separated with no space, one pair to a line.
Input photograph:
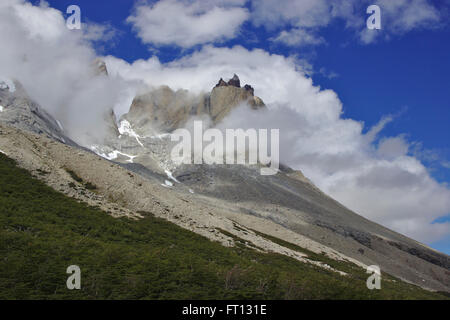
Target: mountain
[149,257]
[19,110]
[131,175]
[163,109]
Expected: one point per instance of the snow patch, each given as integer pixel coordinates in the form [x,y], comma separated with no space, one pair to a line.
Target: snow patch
[161,136]
[168,183]
[1,108]
[125,128]
[112,155]
[3,152]
[170,176]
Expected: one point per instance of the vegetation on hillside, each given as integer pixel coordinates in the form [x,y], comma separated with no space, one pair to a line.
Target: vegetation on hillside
[42,232]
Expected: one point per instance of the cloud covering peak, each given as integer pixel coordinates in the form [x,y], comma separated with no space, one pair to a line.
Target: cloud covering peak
[371,174]
[375,175]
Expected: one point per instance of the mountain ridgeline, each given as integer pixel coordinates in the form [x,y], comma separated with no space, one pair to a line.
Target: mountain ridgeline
[273,236]
[165,110]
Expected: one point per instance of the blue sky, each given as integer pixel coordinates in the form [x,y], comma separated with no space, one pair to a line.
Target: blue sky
[404,72]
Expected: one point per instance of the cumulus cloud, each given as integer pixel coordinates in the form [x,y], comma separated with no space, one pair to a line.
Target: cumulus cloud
[374,175]
[398,17]
[187,23]
[55,66]
[402,16]
[304,13]
[302,17]
[298,37]
[406,15]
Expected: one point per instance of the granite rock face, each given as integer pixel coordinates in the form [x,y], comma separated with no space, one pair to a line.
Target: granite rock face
[223,99]
[164,110]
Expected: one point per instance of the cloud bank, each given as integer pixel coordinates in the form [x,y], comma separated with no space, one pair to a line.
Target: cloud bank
[186,23]
[373,175]
[55,66]
[305,18]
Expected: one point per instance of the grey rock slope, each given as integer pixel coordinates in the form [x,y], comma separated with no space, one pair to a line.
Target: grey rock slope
[289,200]
[208,197]
[19,110]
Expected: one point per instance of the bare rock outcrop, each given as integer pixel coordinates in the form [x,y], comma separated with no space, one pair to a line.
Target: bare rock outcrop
[227,96]
[164,110]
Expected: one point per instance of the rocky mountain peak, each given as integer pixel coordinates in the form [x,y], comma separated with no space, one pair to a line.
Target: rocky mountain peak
[163,109]
[221,83]
[235,82]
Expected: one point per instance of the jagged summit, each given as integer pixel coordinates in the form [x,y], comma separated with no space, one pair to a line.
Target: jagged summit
[226,96]
[207,198]
[221,83]
[233,82]
[164,110]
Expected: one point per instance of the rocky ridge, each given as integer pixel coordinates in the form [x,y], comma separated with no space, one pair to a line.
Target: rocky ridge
[133,176]
[164,110]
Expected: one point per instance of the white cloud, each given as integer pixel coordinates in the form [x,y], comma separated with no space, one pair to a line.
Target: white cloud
[298,37]
[303,13]
[406,15]
[402,16]
[376,179]
[54,64]
[187,23]
[398,17]
[304,18]
[39,22]
[328,74]
[393,147]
